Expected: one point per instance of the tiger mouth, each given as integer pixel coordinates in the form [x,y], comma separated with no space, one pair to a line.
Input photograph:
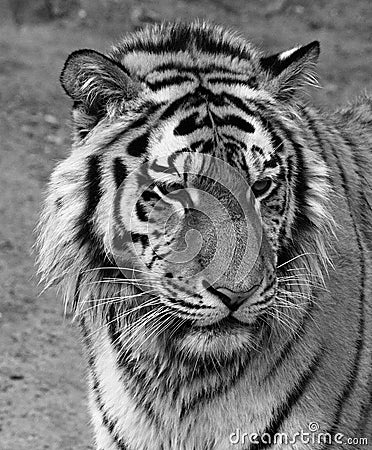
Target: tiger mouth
[227,324]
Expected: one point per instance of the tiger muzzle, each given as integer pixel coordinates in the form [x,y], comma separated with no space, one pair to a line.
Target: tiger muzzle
[233,300]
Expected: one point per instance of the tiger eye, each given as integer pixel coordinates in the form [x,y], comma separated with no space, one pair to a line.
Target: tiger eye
[260,187]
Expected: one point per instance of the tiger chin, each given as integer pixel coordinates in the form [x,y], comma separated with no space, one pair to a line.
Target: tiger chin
[210,231]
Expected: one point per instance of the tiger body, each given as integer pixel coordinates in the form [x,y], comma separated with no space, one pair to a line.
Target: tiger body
[184,369]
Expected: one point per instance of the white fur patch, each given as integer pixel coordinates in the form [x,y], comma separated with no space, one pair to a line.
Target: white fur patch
[118,403]
[287,53]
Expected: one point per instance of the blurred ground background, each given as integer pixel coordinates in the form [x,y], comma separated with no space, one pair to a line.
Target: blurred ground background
[42,389]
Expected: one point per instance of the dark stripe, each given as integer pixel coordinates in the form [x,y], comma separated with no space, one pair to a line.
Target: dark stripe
[351,383]
[230,81]
[278,208]
[241,144]
[77,292]
[108,424]
[147,111]
[141,212]
[139,145]
[187,125]
[364,205]
[120,172]
[93,195]
[274,126]
[366,410]
[256,149]
[210,69]
[210,393]
[195,146]
[59,202]
[297,393]
[183,303]
[180,38]
[136,377]
[173,107]
[150,196]
[171,81]
[259,114]
[193,99]
[208,146]
[141,121]
[275,138]
[190,124]
[300,221]
[267,288]
[208,96]
[273,162]
[314,130]
[300,186]
[296,336]
[93,180]
[152,262]
[143,238]
[174,155]
[240,104]
[238,122]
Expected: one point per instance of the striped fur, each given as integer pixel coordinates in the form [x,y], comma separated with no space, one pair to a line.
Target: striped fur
[167,370]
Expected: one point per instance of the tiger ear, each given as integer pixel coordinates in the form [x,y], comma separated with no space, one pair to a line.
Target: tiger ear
[94,82]
[290,70]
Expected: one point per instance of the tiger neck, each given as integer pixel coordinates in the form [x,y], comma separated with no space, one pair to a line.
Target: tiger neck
[157,370]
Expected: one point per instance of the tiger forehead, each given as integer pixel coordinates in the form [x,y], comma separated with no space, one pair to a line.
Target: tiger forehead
[200,171]
[147,65]
[240,141]
[169,73]
[198,48]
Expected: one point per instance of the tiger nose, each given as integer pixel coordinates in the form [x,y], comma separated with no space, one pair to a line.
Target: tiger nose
[233,300]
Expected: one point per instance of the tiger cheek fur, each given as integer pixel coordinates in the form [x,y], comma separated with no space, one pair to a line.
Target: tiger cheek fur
[211,233]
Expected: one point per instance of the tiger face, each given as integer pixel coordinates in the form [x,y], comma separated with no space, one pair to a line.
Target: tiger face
[193,194]
[200,223]
[195,225]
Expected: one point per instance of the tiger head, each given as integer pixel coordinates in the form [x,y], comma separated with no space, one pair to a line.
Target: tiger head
[190,189]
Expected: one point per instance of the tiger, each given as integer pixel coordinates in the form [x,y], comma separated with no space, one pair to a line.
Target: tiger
[210,232]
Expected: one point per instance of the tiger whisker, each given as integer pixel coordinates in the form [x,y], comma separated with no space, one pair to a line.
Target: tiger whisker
[298,306]
[304,284]
[125,345]
[182,320]
[160,325]
[116,268]
[120,297]
[286,321]
[276,315]
[117,280]
[308,279]
[303,271]
[293,296]
[143,319]
[155,320]
[111,301]
[105,325]
[296,257]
